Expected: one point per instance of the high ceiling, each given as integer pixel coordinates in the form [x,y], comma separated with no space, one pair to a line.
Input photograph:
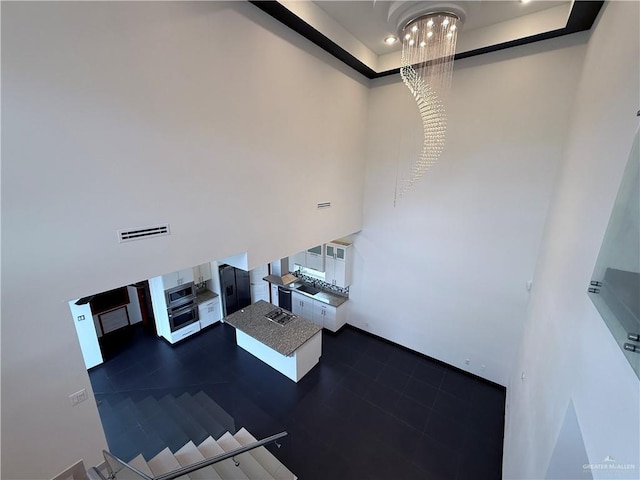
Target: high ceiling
[368,20]
[354,31]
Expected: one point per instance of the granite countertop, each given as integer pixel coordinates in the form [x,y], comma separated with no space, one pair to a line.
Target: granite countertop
[203,296]
[323,296]
[284,339]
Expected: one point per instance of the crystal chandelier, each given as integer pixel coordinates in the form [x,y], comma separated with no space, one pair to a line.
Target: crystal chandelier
[428,49]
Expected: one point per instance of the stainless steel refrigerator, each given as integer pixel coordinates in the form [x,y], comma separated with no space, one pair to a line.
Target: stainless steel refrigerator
[236,288]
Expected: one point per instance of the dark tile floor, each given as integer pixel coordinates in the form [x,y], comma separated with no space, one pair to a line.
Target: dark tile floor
[369,410]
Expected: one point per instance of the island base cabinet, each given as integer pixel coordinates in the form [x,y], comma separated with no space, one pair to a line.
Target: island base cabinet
[295,366]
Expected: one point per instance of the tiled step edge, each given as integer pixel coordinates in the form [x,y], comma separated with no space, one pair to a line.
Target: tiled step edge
[226,469]
[265,457]
[249,464]
[188,455]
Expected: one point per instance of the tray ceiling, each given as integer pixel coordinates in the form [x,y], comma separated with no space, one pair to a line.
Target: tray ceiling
[354,31]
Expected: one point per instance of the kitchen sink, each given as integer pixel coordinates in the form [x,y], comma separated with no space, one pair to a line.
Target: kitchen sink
[279,316]
[308,289]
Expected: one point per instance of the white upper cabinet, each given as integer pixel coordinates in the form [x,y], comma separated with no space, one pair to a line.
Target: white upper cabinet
[338,264]
[180,277]
[202,273]
[299,258]
[315,258]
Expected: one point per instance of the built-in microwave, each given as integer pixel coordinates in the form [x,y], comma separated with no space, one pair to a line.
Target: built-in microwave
[182,316]
[180,295]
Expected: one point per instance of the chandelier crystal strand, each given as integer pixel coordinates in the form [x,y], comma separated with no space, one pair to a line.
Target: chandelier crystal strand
[428,49]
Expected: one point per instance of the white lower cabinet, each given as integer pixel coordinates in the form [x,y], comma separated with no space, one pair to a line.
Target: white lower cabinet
[331,318]
[184,332]
[320,313]
[209,312]
[302,305]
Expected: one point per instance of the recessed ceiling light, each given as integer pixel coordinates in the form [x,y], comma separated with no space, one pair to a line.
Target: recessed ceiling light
[390,40]
[525,1]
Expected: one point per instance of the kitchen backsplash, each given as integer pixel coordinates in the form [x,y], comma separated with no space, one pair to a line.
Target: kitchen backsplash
[323,285]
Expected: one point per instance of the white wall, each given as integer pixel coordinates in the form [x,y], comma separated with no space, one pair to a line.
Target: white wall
[567,352]
[87,335]
[125,114]
[135,315]
[445,272]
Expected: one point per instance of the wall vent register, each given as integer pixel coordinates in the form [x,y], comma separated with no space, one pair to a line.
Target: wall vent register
[143,232]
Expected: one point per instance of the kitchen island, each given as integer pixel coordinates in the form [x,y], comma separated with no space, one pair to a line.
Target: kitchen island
[292,348]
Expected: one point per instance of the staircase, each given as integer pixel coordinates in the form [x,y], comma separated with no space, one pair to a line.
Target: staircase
[183,428]
[153,422]
[258,463]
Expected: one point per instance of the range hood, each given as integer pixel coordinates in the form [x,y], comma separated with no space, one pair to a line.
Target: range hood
[280,273]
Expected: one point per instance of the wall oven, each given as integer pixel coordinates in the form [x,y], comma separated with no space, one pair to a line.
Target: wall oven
[183,315]
[180,295]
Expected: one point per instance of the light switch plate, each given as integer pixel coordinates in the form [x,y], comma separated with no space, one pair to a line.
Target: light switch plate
[79,396]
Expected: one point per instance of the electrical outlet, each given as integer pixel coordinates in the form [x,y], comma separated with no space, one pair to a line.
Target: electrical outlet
[80,318]
[78,397]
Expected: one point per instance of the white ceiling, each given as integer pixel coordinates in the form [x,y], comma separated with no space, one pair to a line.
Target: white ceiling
[368,21]
[354,31]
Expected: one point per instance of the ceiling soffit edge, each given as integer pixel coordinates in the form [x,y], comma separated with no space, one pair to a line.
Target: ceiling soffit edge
[582,16]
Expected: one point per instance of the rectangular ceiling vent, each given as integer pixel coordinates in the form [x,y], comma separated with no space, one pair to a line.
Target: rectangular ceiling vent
[324,205]
[143,232]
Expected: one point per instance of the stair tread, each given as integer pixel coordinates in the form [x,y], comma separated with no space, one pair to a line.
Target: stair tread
[226,469]
[159,426]
[141,464]
[207,421]
[164,462]
[124,414]
[216,411]
[190,454]
[267,459]
[148,406]
[183,419]
[248,463]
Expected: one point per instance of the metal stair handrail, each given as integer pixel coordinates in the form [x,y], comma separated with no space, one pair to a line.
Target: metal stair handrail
[194,466]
